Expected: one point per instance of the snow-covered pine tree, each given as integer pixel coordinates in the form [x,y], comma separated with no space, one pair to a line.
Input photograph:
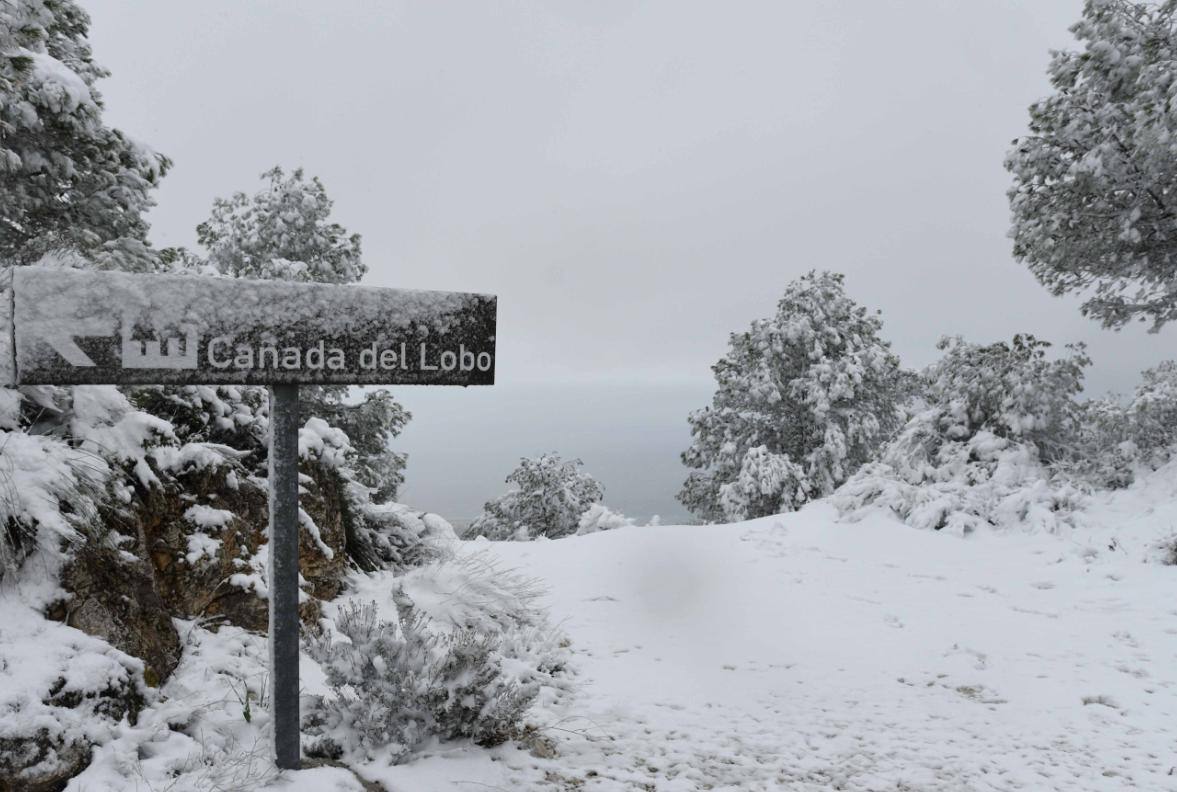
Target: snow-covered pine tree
[1093,203]
[282,232]
[371,424]
[76,189]
[547,497]
[285,232]
[803,399]
[71,184]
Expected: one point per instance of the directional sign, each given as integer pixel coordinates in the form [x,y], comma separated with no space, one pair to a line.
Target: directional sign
[75,327]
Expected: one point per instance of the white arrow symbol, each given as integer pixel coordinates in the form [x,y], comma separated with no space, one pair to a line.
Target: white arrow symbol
[61,338]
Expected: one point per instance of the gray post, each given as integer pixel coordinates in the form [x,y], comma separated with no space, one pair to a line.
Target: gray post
[283,581]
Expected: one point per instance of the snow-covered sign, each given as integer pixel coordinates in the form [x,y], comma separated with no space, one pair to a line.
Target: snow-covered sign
[75,327]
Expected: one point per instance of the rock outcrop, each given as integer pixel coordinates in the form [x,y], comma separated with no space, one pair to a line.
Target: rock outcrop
[114,598]
[193,546]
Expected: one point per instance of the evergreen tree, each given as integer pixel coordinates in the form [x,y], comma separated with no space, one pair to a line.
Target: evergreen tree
[803,400]
[282,232]
[1094,208]
[371,424]
[71,184]
[548,497]
[77,189]
[285,232]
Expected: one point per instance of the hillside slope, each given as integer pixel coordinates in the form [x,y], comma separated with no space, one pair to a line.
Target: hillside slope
[797,652]
[794,652]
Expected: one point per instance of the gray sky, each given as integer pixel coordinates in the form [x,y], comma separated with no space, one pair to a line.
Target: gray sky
[634,180]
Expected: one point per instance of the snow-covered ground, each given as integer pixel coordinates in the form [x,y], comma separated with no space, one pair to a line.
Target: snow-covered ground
[797,652]
[802,653]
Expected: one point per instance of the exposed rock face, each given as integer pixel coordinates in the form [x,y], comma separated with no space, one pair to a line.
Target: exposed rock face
[176,564]
[204,571]
[324,499]
[191,546]
[114,598]
[202,587]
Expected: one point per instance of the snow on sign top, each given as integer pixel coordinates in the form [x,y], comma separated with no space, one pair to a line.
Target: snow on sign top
[76,327]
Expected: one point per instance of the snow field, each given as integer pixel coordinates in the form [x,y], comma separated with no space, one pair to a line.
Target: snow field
[794,652]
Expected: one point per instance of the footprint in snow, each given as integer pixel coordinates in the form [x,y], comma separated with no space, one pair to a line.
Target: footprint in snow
[1139,673]
[1103,701]
[893,621]
[980,659]
[980,694]
[1043,584]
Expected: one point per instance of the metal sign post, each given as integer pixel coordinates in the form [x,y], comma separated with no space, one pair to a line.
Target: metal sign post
[283,583]
[76,327]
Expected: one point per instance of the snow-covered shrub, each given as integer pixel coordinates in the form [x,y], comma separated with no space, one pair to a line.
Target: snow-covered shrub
[960,486]
[1012,390]
[466,653]
[547,497]
[392,535]
[1112,443]
[60,451]
[396,684]
[1102,451]
[235,416]
[979,455]
[320,442]
[472,696]
[1153,413]
[803,399]
[471,591]
[1167,550]
[238,417]
[378,678]
[600,517]
[49,493]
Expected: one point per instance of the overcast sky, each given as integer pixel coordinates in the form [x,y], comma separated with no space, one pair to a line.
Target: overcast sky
[634,180]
